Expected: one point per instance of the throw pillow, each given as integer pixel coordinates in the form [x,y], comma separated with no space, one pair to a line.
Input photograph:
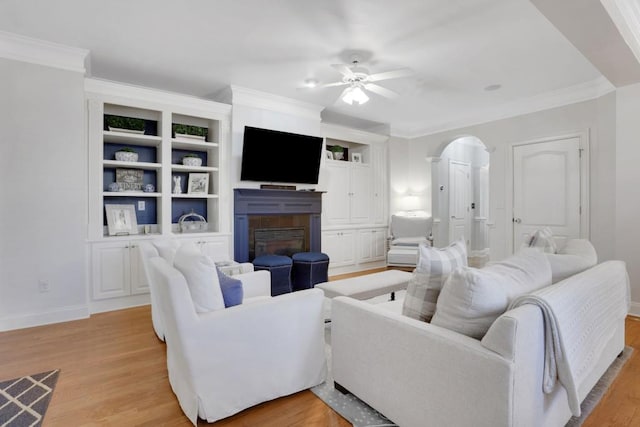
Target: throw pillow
[231,288]
[432,269]
[543,240]
[167,249]
[472,299]
[202,279]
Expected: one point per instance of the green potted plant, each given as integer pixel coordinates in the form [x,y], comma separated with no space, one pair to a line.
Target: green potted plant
[126,154]
[124,124]
[190,132]
[338,152]
[191,159]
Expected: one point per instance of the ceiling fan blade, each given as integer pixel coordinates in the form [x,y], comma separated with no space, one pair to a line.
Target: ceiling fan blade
[343,69]
[380,90]
[334,84]
[402,72]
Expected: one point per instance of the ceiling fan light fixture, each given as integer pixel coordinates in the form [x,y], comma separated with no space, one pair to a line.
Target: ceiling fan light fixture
[355,94]
[311,83]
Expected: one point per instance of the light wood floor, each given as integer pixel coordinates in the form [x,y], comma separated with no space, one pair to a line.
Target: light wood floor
[114,374]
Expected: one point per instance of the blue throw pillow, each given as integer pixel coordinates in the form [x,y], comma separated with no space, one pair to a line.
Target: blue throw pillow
[232,292]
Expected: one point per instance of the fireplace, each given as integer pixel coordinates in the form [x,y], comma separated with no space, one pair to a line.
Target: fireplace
[278,222]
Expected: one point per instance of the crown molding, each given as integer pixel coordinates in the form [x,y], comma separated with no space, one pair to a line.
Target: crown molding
[329,130]
[625,15]
[559,98]
[267,101]
[41,52]
[120,93]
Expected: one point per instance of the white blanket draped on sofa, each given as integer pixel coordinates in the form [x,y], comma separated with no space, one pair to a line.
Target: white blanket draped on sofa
[575,326]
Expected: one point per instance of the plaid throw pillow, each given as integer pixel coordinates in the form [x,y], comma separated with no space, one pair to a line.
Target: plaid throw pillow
[434,266]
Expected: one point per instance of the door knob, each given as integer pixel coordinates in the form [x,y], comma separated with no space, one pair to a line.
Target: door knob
[517,220]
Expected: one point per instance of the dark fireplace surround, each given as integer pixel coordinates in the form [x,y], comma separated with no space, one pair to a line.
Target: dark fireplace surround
[280,222]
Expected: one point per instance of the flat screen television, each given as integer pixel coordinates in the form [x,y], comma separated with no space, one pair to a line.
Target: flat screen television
[283,157]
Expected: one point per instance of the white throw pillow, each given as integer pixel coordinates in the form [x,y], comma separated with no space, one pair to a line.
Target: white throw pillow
[433,268]
[472,299]
[543,240]
[202,278]
[167,249]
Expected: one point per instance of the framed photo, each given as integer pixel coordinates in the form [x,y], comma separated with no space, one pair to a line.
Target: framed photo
[121,219]
[129,179]
[198,183]
[356,157]
[328,155]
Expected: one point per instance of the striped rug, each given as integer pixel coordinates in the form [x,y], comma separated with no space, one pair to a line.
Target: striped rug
[24,400]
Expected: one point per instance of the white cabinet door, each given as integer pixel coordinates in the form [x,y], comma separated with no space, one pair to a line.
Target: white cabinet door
[138,279]
[111,270]
[360,193]
[339,246]
[336,202]
[372,244]
[217,248]
[379,182]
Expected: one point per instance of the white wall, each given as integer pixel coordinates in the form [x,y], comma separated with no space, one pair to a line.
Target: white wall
[595,116]
[43,176]
[627,199]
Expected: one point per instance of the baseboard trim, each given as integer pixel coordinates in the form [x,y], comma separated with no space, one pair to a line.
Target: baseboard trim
[111,304]
[63,314]
[634,309]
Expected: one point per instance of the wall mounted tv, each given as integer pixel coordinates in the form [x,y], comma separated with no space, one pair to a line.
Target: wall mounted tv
[274,156]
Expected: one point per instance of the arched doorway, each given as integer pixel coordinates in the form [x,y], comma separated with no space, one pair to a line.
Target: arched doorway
[461,196]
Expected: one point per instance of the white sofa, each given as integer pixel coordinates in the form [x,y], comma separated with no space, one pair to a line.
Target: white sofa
[227,360]
[419,374]
[256,285]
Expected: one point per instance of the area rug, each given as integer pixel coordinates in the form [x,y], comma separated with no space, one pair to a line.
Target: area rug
[359,414]
[24,400]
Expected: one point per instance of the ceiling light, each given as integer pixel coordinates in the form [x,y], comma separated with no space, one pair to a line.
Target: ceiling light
[311,83]
[355,94]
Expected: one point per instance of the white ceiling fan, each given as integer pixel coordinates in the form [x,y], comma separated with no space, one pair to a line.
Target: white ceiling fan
[358,80]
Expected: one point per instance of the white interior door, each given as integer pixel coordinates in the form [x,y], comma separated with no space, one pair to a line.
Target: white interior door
[546,189]
[459,193]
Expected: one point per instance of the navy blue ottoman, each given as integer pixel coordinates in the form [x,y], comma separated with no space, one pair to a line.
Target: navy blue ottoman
[280,268]
[309,268]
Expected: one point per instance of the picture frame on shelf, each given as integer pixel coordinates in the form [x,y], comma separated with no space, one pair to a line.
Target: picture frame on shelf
[356,157]
[328,154]
[121,220]
[129,179]
[198,183]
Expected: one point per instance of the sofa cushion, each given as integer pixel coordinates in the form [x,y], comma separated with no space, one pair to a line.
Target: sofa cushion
[410,226]
[231,288]
[409,241]
[202,279]
[472,299]
[433,268]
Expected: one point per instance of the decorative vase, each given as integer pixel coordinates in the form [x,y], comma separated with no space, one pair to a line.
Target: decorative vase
[149,188]
[192,161]
[114,186]
[338,155]
[126,156]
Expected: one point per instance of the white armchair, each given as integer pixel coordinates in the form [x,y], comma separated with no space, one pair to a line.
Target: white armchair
[224,361]
[256,285]
[406,234]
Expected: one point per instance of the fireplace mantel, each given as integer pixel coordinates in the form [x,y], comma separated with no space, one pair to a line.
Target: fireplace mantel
[251,201]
